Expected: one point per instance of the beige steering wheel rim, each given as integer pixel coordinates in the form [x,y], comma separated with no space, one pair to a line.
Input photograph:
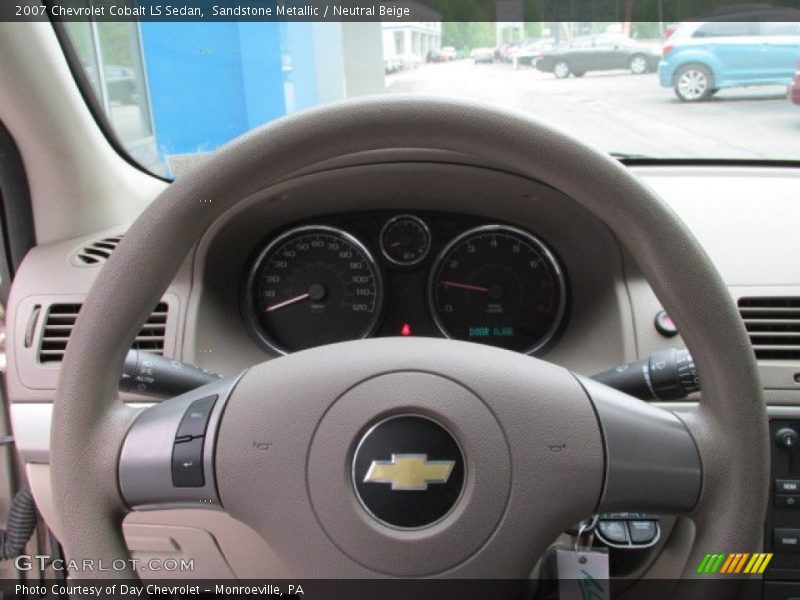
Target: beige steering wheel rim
[730,426]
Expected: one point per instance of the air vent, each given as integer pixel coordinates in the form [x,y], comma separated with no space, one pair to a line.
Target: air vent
[97,252]
[61,319]
[773,325]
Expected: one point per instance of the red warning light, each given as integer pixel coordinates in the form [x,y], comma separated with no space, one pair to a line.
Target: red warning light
[405,330]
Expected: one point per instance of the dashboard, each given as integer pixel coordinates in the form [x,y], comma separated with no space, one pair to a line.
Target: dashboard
[564,289]
[431,274]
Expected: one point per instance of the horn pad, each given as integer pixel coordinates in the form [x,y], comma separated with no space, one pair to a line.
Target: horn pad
[450,470]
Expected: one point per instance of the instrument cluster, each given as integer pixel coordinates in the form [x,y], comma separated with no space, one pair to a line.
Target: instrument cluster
[358,275]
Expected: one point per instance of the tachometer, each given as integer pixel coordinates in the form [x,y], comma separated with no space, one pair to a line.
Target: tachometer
[500,286]
[314,285]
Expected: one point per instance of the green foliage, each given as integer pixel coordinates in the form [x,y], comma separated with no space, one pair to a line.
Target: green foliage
[118,41]
[80,33]
[533,29]
[646,31]
[465,36]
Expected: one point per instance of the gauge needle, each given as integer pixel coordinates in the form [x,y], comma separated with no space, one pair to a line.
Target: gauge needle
[288,302]
[465,286]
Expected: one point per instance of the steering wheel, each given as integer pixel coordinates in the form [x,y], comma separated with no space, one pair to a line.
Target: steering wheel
[320,452]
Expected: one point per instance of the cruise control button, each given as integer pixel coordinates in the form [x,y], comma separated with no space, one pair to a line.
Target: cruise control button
[787,540]
[613,531]
[787,486]
[195,420]
[642,532]
[187,463]
[787,501]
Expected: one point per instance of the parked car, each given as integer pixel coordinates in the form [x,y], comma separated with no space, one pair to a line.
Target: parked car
[701,58]
[444,54]
[794,86]
[507,51]
[500,51]
[449,53]
[515,49]
[482,55]
[530,52]
[602,52]
[435,56]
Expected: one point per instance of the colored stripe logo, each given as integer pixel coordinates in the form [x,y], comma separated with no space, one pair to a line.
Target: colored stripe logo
[735,563]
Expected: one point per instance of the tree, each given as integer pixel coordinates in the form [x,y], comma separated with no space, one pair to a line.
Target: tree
[466,36]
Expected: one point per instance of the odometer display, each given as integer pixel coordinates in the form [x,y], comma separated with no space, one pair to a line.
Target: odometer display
[500,286]
[314,285]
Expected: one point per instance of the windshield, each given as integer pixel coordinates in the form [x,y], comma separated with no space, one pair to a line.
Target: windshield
[175,91]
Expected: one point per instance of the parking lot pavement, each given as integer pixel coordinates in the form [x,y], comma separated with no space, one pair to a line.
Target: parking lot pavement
[625,113]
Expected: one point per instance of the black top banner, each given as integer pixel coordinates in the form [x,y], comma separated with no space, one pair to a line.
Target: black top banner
[663,11]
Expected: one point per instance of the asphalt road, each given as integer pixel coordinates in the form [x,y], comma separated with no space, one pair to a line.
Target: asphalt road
[620,112]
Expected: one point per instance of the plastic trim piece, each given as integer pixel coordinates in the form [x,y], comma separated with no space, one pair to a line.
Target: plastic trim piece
[652,462]
[145,463]
[15,204]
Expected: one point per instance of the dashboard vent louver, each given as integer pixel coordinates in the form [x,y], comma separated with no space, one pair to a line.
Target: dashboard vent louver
[97,252]
[773,325]
[61,319]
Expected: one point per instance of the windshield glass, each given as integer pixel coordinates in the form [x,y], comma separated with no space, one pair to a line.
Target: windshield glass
[174,91]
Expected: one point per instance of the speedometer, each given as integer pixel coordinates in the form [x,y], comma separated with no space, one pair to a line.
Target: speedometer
[314,285]
[500,286]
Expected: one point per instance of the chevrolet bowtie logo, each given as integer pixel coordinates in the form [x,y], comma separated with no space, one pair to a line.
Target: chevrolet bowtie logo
[409,472]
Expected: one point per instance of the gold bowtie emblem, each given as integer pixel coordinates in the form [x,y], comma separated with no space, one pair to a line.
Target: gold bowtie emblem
[409,472]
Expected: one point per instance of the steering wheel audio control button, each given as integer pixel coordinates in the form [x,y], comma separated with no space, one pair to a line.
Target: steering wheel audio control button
[195,420]
[628,530]
[187,463]
[642,532]
[613,531]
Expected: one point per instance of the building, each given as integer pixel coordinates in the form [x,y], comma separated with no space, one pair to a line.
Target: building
[407,44]
[177,90]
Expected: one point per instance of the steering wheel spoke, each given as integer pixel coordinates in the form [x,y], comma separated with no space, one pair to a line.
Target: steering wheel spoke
[167,458]
[652,461]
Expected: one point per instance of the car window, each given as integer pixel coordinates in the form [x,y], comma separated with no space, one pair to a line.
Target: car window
[175,91]
[609,41]
[724,29]
[774,28]
[120,86]
[581,43]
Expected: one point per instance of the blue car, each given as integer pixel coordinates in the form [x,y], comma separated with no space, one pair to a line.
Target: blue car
[700,59]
